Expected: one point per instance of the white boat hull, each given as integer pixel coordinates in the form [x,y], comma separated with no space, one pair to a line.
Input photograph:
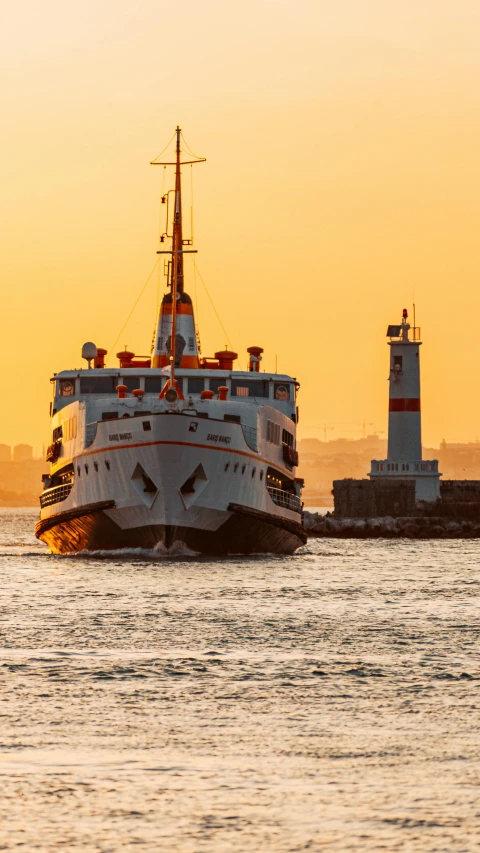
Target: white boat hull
[187,482]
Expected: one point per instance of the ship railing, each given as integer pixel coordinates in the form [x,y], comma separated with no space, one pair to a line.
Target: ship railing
[285,499]
[250,436]
[90,433]
[55,495]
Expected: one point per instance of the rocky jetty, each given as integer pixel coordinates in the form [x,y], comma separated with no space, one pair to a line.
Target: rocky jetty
[409,527]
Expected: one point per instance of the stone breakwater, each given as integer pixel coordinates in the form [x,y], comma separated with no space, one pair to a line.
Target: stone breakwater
[389,528]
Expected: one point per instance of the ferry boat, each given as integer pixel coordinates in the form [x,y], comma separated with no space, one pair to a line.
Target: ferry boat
[174,451]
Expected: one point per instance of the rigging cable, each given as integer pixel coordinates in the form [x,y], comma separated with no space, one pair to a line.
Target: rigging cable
[197,316]
[212,303]
[162,190]
[166,146]
[133,309]
[189,149]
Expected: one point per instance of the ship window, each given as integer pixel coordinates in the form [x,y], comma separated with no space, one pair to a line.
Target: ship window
[243,469]
[195,385]
[202,414]
[86,468]
[70,428]
[227,466]
[57,433]
[287,438]
[146,426]
[233,419]
[261,475]
[95,465]
[79,471]
[109,416]
[132,382]
[98,384]
[253,471]
[107,464]
[281,391]
[273,432]
[66,387]
[214,384]
[247,388]
[397,362]
[235,467]
[154,384]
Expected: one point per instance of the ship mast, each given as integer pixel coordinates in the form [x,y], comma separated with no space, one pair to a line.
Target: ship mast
[177,251]
[177,257]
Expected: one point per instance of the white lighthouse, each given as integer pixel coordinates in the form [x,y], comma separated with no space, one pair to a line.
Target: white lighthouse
[404,418]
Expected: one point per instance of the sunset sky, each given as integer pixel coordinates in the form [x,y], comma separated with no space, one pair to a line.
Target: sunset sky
[342,182]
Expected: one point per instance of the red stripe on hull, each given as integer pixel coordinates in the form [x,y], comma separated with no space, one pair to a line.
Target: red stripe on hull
[404,404]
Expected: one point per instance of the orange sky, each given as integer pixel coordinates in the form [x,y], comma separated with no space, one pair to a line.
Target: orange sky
[343,177]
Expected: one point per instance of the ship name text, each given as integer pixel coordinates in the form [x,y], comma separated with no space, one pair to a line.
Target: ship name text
[120,436]
[221,439]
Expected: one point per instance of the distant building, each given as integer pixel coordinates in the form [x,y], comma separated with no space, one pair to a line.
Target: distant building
[22,453]
[5,453]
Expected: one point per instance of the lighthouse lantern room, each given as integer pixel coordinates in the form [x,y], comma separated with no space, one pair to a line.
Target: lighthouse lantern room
[404,417]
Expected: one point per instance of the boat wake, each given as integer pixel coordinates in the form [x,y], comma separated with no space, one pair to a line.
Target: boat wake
[159,552]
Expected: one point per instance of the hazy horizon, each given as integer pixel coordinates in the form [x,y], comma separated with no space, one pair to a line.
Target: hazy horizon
[342,183]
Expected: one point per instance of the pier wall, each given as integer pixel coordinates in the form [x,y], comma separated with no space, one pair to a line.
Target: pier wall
[459,499]
[373,498]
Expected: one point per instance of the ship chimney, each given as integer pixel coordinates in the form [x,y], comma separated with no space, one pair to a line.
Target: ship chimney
[99,360]
[255,359]
[225,359]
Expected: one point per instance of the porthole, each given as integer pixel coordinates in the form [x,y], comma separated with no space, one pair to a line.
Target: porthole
[86,468]
[243,469]
[227,466]
[261,475]
[95,465]
[107,464]
[78,471]
[235,467]
[253,471]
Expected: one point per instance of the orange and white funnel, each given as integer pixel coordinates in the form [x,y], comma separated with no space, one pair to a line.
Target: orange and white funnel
[186,347]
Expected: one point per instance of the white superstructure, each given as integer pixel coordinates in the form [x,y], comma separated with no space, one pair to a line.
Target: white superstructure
[404,419]
[173,450]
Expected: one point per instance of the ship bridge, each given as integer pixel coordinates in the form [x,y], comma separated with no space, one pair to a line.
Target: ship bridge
[100,386]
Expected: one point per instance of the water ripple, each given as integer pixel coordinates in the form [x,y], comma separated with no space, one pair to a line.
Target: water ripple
[325,701]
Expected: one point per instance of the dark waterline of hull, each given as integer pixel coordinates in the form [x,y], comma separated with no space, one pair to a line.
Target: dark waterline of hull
[244,532]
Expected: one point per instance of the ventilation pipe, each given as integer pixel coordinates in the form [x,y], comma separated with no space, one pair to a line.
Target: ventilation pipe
[255,359]
[226,359]
[99,360]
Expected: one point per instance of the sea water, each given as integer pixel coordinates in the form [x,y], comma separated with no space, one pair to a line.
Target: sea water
[324,701]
